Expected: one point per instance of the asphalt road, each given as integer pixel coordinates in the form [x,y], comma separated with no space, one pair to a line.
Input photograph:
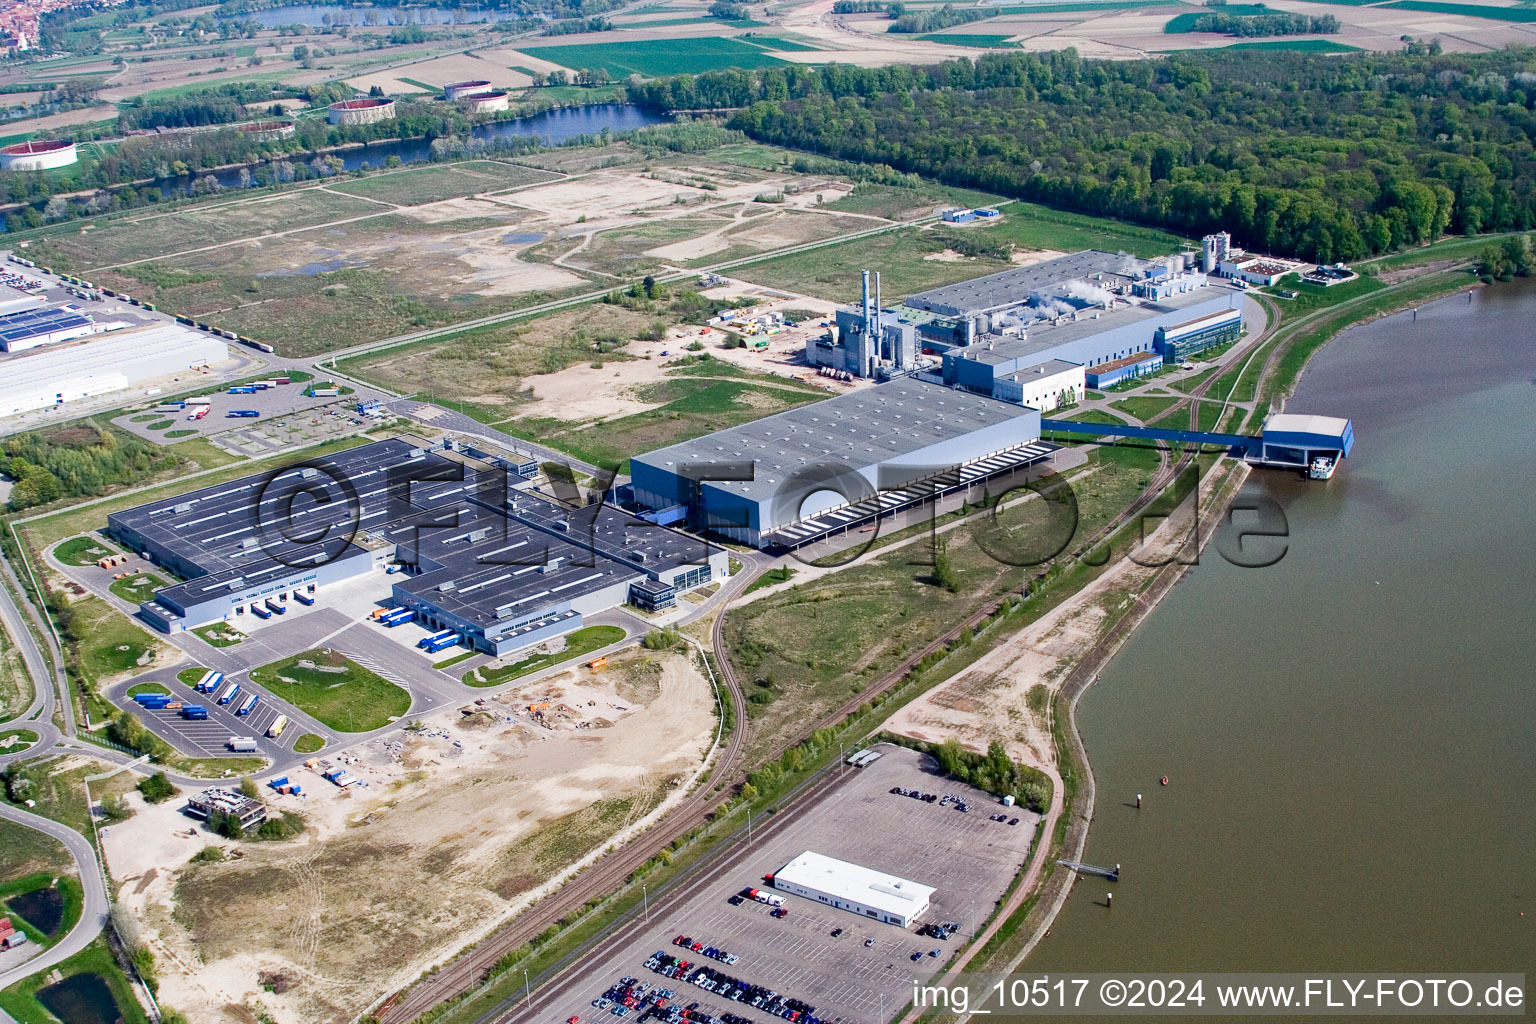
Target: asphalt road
[93,917]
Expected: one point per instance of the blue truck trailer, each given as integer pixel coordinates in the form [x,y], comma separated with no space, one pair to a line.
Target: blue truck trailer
[276,607]
[443,644]
[260,612]
[248,705]
[194,712]
[242,414]
[399,620]
[428,641]
[303,598]
[229,693]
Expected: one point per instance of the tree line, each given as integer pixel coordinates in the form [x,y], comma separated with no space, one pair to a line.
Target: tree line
[1330,158]
[933,20]
[1265,24]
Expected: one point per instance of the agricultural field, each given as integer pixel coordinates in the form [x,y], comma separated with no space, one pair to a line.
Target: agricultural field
[655,57]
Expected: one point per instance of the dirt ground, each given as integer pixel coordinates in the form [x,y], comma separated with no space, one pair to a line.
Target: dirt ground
[990,699]
[452,830]
[458,67]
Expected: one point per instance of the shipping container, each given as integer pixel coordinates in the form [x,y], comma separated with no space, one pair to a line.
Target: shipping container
[194,712]
[276,728]
[281,780]
[242,744]
[248,705]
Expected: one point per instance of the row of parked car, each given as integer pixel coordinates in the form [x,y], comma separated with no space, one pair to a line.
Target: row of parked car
[713,952]
[940,931]
[727,987]
[916,794]
[1004,817]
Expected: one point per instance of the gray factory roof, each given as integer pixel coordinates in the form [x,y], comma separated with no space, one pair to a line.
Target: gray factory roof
[859,429]
[493,546]
[1049,368]
[1009,287]
[1043,334]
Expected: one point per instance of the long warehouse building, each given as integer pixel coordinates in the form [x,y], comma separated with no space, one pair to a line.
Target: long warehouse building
[483,554]
[794,477]
[854,888]
[68,373]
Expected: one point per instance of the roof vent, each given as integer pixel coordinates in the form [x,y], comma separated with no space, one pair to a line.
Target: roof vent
[446,586]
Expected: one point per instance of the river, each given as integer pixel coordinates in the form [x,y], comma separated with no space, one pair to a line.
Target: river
[551,127]
[1348,734]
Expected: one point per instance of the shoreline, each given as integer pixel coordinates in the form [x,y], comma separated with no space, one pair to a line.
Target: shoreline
[1075,841]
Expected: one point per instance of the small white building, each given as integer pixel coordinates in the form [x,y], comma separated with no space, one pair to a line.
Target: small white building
[1044,386]
[854,888]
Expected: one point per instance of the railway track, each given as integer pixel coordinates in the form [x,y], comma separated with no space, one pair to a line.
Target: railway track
[463,974]
[466,972]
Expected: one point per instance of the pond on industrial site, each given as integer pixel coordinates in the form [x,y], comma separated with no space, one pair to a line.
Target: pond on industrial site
[1347,734]
[42,908]
[81,999]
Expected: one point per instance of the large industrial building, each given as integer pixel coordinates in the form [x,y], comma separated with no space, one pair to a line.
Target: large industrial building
[483,555]
[854,888]
[1005,333]
[70,372]
[792,478]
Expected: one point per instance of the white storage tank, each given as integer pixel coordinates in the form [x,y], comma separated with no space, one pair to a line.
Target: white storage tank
[37,155]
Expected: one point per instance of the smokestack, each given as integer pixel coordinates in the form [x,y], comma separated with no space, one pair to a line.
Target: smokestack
[864,303]
[878,305]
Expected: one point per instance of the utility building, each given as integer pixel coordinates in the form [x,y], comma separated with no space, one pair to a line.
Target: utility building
[854,888]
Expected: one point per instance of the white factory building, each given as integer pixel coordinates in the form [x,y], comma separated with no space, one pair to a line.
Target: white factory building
[854,888]
[112,362]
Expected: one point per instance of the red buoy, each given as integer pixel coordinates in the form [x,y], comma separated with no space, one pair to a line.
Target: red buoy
[1165,780]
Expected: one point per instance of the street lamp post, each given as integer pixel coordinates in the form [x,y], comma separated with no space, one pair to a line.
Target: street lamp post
[645,899]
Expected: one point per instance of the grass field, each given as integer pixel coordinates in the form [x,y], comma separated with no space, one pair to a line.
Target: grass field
[15,682]
[1144,408]
[436,183]
[832,271]
[14,741]
[219,634]
[1091,5]
[1032,226]
[1299,45]
[138,588]
[20,1000]
[111,645]
[581,642]
[896,203]
[135,690]
[655,57]
[804,650]
[1517,14]
[1185,22]
[308,743]
[984,42]
[335,690]
[156,234]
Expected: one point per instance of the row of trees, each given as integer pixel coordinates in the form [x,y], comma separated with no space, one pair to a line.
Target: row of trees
[1329,158]
[1266,24]
[947,16]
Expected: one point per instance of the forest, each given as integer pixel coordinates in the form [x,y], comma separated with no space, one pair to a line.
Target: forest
[1328,158]
[1266,24]
[75,461]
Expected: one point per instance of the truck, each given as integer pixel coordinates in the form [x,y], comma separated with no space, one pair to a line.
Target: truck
[210,681]
[398,620]
[244,389]
[276,607]
[198,413]
[228,694]
[154,701]
[442,644]
[242,744]
[276,728]
[248,414]
[303,598]
[772,899]
[194,713]
[282,380]
[324,392]
[381,614]
[427,641]
[342,778]
[200,401]
[260,612]
[248,705]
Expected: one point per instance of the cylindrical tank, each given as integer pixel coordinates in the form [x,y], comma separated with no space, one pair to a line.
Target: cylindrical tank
[364,111]
[484,102]
[459,90]
[37,155]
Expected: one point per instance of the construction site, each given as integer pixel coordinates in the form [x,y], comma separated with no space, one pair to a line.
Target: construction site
[463,819]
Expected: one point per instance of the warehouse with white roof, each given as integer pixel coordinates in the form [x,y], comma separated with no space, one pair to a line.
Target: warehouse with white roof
[854,888]
[111,362]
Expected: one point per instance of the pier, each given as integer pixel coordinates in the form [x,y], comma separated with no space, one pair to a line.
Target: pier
[1113,874]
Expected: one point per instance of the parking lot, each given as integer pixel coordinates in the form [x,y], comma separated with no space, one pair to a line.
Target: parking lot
[288,418]
[851,977]
[210,737]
